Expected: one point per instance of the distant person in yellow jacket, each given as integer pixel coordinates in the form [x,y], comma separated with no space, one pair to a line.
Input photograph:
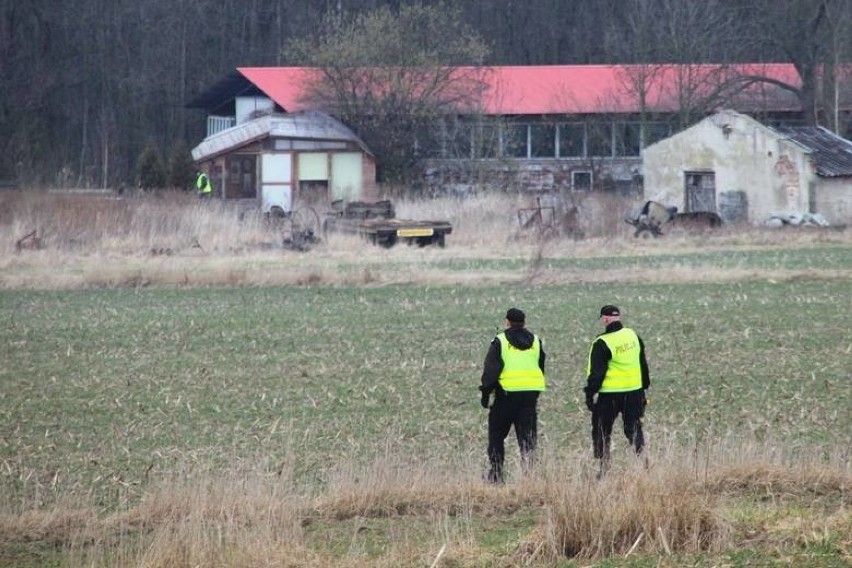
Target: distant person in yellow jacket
[203,185]
[617,378]
[514,372]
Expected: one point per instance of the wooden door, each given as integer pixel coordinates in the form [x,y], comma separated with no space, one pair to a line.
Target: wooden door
[700,192]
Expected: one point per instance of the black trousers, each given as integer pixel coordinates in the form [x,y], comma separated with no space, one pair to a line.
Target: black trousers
[516,409]
[631,406]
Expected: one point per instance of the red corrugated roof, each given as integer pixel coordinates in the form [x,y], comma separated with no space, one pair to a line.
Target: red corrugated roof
[284,85]
[572,89]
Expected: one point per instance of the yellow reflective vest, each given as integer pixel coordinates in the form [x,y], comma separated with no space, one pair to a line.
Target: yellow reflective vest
[520,367]
[203,184]
[624,373]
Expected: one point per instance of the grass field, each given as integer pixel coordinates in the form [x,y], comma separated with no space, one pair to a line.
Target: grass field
[337,422]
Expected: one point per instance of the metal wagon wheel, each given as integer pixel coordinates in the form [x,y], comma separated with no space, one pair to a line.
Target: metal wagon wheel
[302,230]
[305,221]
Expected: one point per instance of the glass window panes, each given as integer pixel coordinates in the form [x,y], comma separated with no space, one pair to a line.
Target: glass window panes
[457,140]
[571,138]
[486,141]
[600,140]
[627,138]
[542,140]
[515,141]
[427,141]
[655,131]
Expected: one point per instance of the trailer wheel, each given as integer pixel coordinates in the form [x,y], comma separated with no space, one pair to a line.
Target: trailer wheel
[306,220]
[440,240]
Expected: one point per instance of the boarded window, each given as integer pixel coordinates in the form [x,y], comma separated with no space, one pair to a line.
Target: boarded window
[276,183]
[276,168]
[313,166]
[346,176]
[313,178]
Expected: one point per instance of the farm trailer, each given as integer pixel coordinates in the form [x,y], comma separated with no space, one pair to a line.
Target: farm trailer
[378,223]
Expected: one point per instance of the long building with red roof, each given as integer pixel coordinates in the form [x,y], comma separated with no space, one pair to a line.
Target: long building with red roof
[574,89]
[577,127]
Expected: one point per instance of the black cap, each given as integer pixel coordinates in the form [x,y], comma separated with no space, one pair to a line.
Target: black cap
[514,315]
[609,310]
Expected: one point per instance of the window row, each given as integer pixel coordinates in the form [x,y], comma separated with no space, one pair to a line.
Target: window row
[541,140]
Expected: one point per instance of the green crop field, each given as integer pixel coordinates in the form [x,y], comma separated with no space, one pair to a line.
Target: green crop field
[105,392]
[108,382]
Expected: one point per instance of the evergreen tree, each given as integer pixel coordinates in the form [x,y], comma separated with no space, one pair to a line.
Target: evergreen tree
[150,173]
[181,167]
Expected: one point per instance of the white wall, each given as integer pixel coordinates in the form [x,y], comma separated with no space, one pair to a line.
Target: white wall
[276,181]
[833,199]
[248,107]
[745,156]
[347,176]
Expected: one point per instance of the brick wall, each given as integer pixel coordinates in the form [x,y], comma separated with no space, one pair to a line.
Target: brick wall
[462,176]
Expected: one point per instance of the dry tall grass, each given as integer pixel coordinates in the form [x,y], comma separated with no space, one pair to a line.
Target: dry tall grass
[396,511]
[111,224]
[85,241]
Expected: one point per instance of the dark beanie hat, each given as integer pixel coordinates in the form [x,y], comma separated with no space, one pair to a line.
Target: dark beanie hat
[609,310]
[515,315]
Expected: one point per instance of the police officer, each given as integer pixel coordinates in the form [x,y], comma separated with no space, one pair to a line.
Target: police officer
[203,185]
[618,375]
[514,372]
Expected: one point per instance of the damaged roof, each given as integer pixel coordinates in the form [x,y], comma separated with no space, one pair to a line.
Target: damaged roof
[831,153]
[304,125]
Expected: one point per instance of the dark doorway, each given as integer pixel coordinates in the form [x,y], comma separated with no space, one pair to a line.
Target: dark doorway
[240,181]
[700,192]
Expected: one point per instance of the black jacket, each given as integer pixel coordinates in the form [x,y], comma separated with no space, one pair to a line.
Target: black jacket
[519,337]
[600,356]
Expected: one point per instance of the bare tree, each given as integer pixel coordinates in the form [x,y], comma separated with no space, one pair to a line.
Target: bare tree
[672,47]
[85,85]
[837,84]
[813,36]
[392,75]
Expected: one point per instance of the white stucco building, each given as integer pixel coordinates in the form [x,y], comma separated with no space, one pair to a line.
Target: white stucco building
[743,170]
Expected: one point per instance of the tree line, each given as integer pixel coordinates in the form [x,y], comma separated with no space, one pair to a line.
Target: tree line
[87,87]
